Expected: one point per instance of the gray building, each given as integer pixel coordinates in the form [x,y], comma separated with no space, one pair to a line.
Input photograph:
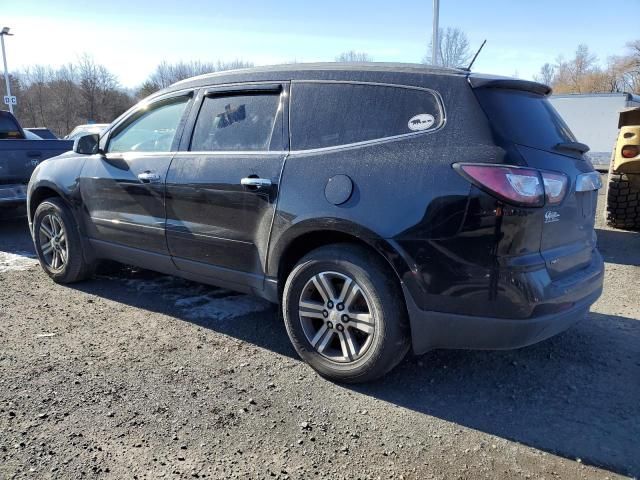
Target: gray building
[593,118]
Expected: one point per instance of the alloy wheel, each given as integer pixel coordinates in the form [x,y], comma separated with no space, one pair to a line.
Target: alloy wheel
[336,317]
[53,242]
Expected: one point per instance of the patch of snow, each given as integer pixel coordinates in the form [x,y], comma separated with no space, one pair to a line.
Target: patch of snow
[225,308]
[16,261]
[200,302]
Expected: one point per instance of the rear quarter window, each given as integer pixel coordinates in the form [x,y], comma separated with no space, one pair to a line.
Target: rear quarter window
[333,114]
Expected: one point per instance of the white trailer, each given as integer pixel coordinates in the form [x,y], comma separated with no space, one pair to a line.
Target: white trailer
[593,118]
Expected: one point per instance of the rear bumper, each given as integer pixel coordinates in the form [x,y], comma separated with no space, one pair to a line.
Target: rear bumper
[15,194]
[431,330]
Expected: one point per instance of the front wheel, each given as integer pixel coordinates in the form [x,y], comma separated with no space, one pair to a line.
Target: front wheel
[344,314]
[57,242]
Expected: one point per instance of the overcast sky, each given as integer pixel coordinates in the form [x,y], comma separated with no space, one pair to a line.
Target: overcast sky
[131,37]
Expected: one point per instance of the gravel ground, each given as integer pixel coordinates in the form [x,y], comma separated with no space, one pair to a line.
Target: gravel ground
[137,375]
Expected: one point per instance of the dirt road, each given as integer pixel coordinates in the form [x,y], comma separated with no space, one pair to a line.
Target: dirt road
[136,375]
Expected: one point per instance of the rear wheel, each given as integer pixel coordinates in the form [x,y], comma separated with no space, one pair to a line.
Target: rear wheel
[345,315]
[623,201]
[57,242]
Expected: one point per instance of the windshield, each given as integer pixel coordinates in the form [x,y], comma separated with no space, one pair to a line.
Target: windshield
[524,118]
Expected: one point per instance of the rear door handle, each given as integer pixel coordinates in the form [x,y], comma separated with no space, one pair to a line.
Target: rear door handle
[149,177]
[255,182]
[34,154]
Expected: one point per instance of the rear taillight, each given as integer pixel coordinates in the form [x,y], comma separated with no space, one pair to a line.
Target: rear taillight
[555,186]
[516,185]
[630,151]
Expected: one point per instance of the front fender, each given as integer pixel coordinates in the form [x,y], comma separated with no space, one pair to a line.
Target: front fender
[59,176]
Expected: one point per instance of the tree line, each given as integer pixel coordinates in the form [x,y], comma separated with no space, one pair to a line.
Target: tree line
[86,91]
[583,73]
[62,98]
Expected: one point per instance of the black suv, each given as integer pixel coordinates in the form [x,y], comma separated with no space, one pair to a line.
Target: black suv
[384,206]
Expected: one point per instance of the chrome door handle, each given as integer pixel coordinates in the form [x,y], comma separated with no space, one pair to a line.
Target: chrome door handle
[149,177]
[255,182]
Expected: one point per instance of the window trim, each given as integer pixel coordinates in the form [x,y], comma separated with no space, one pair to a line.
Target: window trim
[374,141]
[275,87]
[108,133]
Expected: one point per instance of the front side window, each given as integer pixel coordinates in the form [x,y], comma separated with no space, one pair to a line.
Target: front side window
[238,123]
[151,130]
[334,114]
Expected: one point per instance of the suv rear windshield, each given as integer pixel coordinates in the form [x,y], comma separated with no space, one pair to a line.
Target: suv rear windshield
[333,114]
[524,118]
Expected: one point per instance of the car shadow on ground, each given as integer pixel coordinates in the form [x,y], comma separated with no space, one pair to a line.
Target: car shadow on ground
[619,246]
[575,395]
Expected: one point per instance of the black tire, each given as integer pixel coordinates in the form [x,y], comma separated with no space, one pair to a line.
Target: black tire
[623,201]
[74,268]
[381,293]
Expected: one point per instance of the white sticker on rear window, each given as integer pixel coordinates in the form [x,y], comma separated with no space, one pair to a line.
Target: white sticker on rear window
[424,121]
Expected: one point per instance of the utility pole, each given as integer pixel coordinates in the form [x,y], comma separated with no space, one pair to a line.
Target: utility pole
[5,31]
[435,41]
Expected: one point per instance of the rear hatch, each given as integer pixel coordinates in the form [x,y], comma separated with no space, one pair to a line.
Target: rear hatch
[523,120]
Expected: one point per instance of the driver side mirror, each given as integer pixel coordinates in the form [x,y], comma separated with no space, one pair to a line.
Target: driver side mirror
[87,144]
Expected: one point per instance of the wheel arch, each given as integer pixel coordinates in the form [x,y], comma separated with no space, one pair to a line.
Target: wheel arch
[302,239]
[39,194]
[44,190]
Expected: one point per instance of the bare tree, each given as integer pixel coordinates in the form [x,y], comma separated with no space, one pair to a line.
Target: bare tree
[72,94]
[236,64]
[546,75]
[453,49]
[167,74]
[580,74]
[95,80]
[64,89]
[353,56]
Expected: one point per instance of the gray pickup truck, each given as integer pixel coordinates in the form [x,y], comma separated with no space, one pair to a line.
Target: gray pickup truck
[20,152]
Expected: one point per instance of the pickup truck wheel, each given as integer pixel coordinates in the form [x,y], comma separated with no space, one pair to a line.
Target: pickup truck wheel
[623,201]
[344,314]
[57,242]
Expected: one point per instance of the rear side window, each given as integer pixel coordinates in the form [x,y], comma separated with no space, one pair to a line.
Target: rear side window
[524,118]
[333,114]
[238,123]
[9,128]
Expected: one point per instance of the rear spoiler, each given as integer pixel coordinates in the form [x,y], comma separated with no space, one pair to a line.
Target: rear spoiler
[486,81]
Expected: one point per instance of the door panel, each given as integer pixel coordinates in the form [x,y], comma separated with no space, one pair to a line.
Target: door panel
[124,190]
[124,198]
[216,225]
[212,218]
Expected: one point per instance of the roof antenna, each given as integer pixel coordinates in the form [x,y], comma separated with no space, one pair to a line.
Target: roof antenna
[468,69]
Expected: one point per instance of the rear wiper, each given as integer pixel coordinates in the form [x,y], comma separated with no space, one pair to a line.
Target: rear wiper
[573,146]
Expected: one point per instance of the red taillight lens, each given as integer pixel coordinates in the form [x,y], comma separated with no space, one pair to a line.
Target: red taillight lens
[555,187]
[521,186]
[517,185]
[630,151]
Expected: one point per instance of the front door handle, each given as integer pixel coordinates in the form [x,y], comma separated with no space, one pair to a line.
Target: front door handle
[255,182]
[149,177]
[34,154]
